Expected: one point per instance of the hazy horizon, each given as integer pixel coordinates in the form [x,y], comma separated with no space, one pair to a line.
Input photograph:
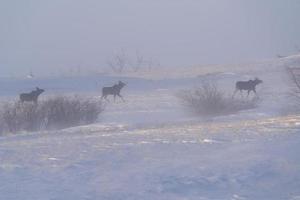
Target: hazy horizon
[49,36]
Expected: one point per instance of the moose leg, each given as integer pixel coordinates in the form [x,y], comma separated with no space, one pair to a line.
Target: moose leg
[248,93]
[104,97]
[255,92]
[121,97]
[114,97]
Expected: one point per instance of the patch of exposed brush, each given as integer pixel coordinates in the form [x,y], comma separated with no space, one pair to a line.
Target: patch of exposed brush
[208,100]
[50,114]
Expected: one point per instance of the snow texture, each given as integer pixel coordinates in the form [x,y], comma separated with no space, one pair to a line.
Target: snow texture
[150,147]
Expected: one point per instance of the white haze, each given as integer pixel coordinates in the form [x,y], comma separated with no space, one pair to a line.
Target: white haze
[49,36]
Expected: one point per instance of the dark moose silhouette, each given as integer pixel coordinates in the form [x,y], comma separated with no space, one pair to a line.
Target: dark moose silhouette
[32,96]
[114,90]
[247,85]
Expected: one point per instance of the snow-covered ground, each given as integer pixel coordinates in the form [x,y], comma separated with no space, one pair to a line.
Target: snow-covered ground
[150,147]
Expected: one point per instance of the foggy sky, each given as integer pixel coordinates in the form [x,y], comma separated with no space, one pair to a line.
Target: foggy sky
[47,35]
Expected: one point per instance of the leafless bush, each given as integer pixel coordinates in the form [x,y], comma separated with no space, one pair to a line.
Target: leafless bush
[294,93]
[139,62]
[208,100]
[53,113]
[16,117]
[64,112]
[118,62]
[121,61]
[294,74]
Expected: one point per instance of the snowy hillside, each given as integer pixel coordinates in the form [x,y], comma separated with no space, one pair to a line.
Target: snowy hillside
[150,147]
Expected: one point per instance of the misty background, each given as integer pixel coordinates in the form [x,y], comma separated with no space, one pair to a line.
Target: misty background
[48,37]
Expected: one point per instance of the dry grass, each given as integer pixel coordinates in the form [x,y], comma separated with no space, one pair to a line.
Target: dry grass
[53,113]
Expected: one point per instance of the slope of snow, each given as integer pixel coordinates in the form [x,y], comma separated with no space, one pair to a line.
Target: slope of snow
[246,159]
[149,147]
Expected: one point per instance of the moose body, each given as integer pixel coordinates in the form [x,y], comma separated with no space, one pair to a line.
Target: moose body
[114,90]
[32,96]
[247,85]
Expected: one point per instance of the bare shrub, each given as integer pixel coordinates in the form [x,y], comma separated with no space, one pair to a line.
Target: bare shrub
[118,62]
[53,113]
[139,62]
[294,75]
[208,100]
[16,116]
[64,112]
[121,62]
[294,93]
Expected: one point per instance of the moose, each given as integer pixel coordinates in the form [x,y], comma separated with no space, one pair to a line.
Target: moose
[247,85]
[32,96]
[114,90]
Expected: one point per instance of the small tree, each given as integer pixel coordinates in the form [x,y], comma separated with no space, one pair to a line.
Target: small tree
[139,62]
[295,77]
[118,62]
[121,61]
[294,74]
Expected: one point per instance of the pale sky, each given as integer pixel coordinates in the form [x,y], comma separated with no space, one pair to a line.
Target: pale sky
[47,35]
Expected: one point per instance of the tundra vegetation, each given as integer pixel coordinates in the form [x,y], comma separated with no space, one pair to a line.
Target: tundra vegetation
[294,78]
[121,62]
[208,100]
[48,114]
